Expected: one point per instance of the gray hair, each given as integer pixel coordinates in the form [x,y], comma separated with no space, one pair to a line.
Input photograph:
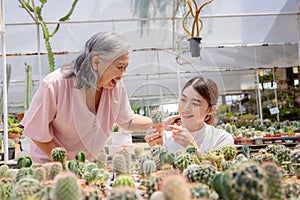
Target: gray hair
[108,46]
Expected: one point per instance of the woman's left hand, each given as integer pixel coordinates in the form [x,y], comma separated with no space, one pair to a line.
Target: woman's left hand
[182,136]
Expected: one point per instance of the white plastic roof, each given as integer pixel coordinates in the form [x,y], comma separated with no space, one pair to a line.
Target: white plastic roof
[238,37]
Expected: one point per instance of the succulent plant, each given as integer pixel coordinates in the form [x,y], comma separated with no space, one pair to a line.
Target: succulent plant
[228,128]
[124,180]
[183,161]
[138,151]
[291,189]
[175,187]
[149,167]
[23,172]
[151,185]
[39,173]
[101,160]
[24,161]
[92,193]
[124,192]
[66,187]
[80,156]
[229,152]
[166,157]
[295,159]
[199,191]
[227,165]
[273,180]
[52,169]
[119,164]
[59,154]
[156,116]
[73,166]
[24,189]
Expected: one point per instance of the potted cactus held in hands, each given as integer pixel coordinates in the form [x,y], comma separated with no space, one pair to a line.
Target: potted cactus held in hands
[156,116]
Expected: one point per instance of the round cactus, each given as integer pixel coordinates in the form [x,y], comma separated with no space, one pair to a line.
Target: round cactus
[66,187]
[124,180]
[101,160]
[273,181]
[59,154]
[124,192]
[119,164]
[149,167]
[175,187]
[39,173]
[80,156]
[229,152]
[183,161]
[92,193]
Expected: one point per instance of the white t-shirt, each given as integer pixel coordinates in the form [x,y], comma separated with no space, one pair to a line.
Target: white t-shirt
[207,138]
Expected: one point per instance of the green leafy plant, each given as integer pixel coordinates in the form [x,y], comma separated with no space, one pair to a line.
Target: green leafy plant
[47,35]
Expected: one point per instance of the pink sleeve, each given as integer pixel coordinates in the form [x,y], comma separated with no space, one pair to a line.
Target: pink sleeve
[41,112]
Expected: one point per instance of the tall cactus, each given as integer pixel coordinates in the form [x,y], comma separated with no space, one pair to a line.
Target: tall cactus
[38,11]
[28,86]
[8,74]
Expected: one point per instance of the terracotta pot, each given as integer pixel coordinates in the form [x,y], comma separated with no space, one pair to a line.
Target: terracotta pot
[160,127]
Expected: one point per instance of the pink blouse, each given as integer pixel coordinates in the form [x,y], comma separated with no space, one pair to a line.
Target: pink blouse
[59,112]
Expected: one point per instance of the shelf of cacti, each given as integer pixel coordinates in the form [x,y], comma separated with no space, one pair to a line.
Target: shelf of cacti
[272,173]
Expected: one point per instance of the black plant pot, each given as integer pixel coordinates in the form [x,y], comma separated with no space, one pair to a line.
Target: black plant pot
[195,46]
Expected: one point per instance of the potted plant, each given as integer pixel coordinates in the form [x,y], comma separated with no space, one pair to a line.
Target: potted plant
[156,116]
[196,27]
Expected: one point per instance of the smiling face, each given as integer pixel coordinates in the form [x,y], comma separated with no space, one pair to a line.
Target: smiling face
[114,72]
[193,109]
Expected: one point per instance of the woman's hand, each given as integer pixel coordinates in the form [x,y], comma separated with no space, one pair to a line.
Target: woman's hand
[170,121]
[153,138]
[182,136]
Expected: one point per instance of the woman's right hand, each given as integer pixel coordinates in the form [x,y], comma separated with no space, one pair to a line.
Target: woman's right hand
[153,138]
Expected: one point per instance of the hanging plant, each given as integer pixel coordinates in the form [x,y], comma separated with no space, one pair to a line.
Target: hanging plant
[47,35]
[196,27]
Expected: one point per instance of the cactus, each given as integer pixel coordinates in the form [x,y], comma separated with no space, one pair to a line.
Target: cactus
[228,127]
[245,176]
[90,166]
[73,166]
[148,168]
[124,192]
[166,157]
[229,152]
[183,161]
[66,187]
[92,193]
[4,171]
[265,157]
[283,155]
[39,173]
[175,187]
[158,195]
[52,169]
[119,164]
[80,156]
[101,160]
[138,151]
[199,191]
[203,173]
[23,172]
[124,180]
[88,176]
[227,165]
[156,116]
[295,159]
[151,185]
[273,179]
[28,86]
[24,189]
[59,154]
[24,161]
[291,189]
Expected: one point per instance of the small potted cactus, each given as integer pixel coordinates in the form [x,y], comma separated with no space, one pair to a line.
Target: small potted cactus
[156,116]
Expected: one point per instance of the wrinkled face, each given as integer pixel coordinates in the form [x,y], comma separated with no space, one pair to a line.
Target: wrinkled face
[115,71]
[193,109]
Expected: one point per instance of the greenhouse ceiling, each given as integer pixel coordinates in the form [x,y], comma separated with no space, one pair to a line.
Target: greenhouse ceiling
[238,37]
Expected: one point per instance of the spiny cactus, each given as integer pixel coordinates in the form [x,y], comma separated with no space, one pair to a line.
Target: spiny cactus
[66,187]
[229,152]
[273,180]
[24,172]
[73,166]
[199,191]
[151,185]
[228,127]
[4,172]
[90,166]
[227,165]
[138,151]
[265,157]
[24,161]
[291,189]
[183,161]
[203,173]
[149,167]
[158,195]
[295,159]
[124,180]
[247,182]
[52,169]
[80,156]
[59,154]
[124,192]
[88,176]
[101,160]
[92,193]
[39,173]
[166,157]
[24,189]
[175,187]
[119,164]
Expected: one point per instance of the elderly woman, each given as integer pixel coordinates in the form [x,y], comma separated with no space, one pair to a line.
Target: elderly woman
[197,106]
[77,105]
